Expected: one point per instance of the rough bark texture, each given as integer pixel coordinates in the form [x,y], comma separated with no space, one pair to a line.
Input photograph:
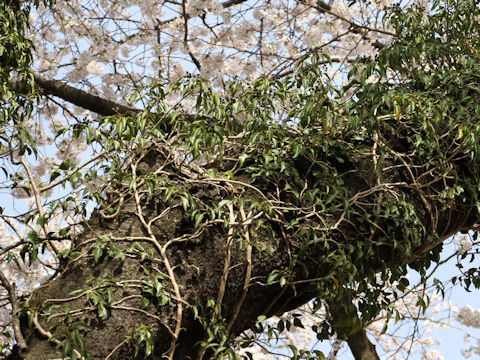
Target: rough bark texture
[362,348]
[198,262]
[207,252]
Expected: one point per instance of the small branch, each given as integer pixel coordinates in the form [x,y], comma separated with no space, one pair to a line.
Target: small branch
[163,252]
[115,349]
[79,167]
[38,203]
[12,295]
[337,345]
[322,7]
[230,3]
[223,279]
[226,265]
[185,37]
[225,4]
[22,240]
[474,88]
[248,271]
[115,214]
[49,335]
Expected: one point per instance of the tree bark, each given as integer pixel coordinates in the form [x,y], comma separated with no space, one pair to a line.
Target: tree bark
[81,98]
[194,274]
[361,347]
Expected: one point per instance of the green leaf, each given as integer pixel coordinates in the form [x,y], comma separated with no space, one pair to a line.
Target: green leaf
[97,253]
[261,318]
[102,310]
[42,221]
[272,276]
[198,218]
[144,302]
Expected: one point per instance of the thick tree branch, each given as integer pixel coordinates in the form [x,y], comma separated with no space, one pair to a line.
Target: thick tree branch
[81,98]
[204,248]
[349,327]
[361,347]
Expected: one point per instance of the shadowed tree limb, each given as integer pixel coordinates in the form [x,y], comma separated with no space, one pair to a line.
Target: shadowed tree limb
[362,348]
[349,327]
[81,98]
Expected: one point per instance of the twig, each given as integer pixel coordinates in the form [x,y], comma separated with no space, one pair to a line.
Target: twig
[77,168]
[223,279]
[36,194]
[226,264]
[185,37]
[353,24]
[162,250]
[248,271]
[48,334]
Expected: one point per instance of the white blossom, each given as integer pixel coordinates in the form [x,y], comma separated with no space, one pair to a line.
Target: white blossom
[94,68]
[468,316]
[464,242]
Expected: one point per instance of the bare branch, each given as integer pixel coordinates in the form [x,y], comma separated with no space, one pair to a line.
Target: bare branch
[82,98]
[323,7]
[12,295]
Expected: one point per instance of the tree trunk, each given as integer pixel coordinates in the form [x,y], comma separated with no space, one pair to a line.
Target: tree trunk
[148,267]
